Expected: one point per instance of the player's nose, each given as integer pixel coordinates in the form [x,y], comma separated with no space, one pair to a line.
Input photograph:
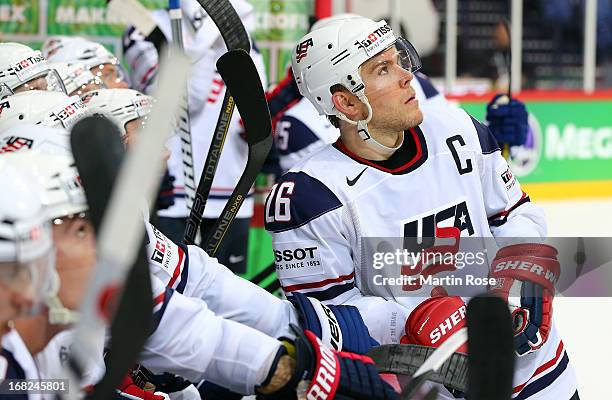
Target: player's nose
[406,78]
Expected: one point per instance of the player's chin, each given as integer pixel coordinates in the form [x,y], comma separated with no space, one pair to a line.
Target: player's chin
[418,116]
[413,119]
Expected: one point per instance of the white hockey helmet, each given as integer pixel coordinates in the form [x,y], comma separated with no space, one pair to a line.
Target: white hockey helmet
[26,242]
[119,105]
[90,54]
[22,68]
[52,163]
[58,183]
[332,55]
[53,43]
[77,78]
[52,109]
[28,136]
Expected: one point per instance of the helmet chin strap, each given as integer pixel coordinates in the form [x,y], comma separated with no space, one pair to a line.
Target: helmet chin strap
[58,314]
[364,133]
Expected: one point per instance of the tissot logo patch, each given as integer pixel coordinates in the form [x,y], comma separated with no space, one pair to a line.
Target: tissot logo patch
[297,259]
[508,179]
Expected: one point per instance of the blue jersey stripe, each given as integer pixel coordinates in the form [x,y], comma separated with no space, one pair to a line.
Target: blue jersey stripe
[488,144]
[545,381]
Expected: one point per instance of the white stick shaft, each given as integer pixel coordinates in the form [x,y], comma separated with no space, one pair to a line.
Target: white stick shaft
[122,228]
[590,43]
[135,13]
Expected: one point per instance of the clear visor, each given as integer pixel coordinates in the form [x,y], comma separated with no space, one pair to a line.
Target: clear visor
[381,73]
[25,285]
[88,86]
[400,54]
[47,80]
[112,74]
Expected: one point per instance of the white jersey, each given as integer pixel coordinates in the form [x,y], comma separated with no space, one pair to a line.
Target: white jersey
[448,177]
[203,43]
[52,360]
[16,362]
[209,323]
[301,130]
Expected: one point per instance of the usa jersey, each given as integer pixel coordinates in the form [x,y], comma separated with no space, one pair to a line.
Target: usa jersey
[448,173]
[301,130]
[16,362]
[209,323]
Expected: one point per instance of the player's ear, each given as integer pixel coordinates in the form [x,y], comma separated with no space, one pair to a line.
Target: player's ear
[349,105]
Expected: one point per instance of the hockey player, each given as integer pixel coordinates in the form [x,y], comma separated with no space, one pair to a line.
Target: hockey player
[26,263]
[383,178]
[299,130]
[204,44]
[101,62]
[228,351]
[22,68]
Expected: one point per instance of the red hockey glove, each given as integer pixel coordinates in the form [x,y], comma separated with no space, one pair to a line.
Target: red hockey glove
[128,389]
[435,320]
[525,276]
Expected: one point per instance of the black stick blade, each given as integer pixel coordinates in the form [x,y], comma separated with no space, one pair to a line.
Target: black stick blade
[98,153]
[490,349]
[237,68]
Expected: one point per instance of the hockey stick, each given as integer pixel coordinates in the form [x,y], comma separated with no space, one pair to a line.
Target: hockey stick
[234,34]
[242,80]
[121,231]
[441,364]
[486,373]
[491,349]
[184,123]
[139,16]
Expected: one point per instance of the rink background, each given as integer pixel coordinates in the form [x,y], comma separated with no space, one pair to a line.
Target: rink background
[584,323]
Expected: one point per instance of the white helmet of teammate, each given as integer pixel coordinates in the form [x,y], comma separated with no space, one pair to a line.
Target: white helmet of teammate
[26,242]
[54,43]
[35,137]
[52,163]
[91,55]
[22,68]
[119,105]
[61,194]
[52,109]
[77,78]
[332,55]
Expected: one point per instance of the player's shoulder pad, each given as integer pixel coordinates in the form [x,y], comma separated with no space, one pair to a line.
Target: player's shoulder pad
[428,88]
[297,199]
[300,135]
[488,144]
